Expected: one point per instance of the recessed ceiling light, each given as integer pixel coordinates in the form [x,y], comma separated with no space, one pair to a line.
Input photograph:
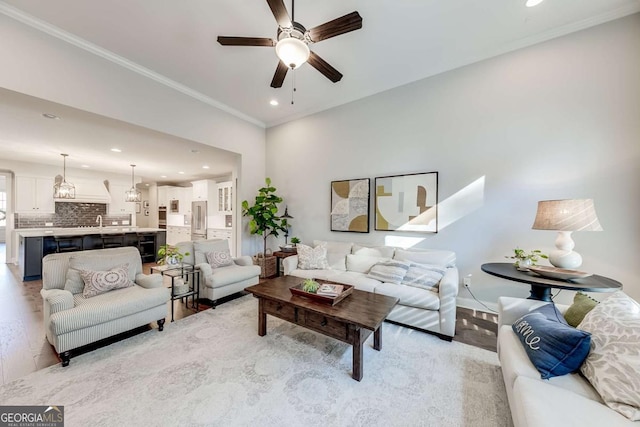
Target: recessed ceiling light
[181,173]
[273,102]
[85,166]
[146,185]
[50,116]
[531,3]
[116,150]
[205,167]
[194,151]
[163,176]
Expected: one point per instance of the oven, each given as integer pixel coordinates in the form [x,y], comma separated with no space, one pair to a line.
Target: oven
[162,217]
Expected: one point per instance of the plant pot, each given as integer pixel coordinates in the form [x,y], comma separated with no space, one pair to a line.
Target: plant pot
[267,265]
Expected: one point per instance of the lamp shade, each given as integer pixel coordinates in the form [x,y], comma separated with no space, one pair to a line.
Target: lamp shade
[567,215]
[292,52]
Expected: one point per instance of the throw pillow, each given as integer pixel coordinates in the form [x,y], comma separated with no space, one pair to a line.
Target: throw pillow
[219,259]
[363,263]
[613,365]
[74,282]
[582,304]
[201,247]
[553,347]
[427,256]
[99,282]
[312,258]
[424,276]
[378,251]
[389,271]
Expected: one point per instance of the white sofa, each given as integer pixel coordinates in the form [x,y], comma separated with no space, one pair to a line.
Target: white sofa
[567,400]
[72,321]
[216,283]
[429,310]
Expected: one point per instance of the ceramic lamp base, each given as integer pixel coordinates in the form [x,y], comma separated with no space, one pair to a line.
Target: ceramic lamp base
[565,259]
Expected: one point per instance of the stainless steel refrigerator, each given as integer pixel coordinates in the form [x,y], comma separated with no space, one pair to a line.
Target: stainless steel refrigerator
[198,220]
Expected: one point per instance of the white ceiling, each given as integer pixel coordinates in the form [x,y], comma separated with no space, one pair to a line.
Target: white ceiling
[401,41]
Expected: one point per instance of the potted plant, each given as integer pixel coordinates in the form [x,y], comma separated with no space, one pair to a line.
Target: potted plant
[524,259]
[264,221]
[295,241]
[170,255]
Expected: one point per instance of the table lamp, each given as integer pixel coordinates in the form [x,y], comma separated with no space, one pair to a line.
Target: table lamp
[287,217]
[565,217]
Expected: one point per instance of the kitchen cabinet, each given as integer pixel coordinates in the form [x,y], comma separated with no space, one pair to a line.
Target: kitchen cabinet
[225,197]
[163,197]
[34,195]
[177,234]
[205,190]
[118,206]
[219,233]
[186,196]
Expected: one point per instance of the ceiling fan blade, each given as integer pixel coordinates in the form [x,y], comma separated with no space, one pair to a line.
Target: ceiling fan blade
[344,24]
[278,77]
[279,11]
[245,41]
[323,66]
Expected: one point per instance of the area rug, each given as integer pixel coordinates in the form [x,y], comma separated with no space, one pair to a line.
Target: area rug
[213,369]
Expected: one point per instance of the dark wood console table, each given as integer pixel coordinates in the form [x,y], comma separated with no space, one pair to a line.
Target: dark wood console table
[541,286]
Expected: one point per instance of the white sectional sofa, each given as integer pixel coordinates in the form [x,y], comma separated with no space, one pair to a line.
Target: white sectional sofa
[432,310]
[567,400]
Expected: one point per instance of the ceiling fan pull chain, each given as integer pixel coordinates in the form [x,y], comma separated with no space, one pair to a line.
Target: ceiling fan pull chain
[293,84]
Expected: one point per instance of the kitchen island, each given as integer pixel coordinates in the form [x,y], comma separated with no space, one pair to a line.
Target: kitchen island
[37,243]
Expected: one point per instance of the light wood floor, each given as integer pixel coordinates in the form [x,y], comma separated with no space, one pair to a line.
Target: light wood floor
[24,347]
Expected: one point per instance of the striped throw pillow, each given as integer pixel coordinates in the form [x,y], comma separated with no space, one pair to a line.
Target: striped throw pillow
[389,271]
[425,276]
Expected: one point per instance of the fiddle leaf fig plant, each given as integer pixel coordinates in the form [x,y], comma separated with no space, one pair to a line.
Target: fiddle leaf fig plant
[263,214]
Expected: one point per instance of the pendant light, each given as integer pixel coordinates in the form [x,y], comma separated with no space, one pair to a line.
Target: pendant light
[64,189]
[132,195]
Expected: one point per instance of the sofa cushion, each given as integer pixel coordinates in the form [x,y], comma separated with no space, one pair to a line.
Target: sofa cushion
[426,256]
[312,258]
[537,403]
[375,251]
[103,263]
[515,363]
[106,307]
[201,247]
[424,276]
[553,347]
[224,276]
[99,282]
[391,271]
[613,365]
[410,295]
[217,259]
[582,304]
[336,253]
[363,263]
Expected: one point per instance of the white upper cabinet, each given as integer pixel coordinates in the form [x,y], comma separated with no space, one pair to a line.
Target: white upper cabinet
[118,206]
[34,195]
[225,197]
[205,190]
[163,198]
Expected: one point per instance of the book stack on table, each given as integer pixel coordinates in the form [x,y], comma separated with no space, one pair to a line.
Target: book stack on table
[330,290]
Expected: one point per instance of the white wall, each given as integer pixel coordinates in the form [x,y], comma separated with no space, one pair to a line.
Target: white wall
[556,120]
[39,65]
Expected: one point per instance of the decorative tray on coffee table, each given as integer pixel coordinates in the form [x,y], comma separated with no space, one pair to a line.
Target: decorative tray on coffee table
[347,290]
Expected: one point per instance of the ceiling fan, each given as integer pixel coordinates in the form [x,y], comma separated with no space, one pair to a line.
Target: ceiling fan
[292,46]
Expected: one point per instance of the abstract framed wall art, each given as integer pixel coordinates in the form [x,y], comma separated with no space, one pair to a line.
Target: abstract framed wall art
[350,205]
[407,202]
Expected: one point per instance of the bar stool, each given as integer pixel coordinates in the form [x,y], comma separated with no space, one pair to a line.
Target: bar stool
[68,243]
[112,240]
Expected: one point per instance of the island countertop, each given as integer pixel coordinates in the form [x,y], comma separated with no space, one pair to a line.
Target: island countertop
[84,231]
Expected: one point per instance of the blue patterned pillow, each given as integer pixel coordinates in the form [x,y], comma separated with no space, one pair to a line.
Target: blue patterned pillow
[553,347]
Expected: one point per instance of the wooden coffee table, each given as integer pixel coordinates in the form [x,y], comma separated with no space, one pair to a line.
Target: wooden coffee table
[351,320]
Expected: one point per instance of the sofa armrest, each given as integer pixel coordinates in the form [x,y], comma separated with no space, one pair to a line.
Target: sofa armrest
[205,268]
[289,264]
[56,300]
[243,261]
[449,286]
[511,309]
[149,281]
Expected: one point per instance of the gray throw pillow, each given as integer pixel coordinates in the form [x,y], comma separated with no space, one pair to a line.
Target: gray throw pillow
[219,259]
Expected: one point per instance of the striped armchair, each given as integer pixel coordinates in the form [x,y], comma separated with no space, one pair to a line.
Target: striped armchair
[71,320]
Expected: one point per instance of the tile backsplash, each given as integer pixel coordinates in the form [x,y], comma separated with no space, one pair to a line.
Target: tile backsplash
[71,215]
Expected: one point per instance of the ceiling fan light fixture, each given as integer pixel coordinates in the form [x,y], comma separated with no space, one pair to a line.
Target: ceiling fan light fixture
[532,3]
[292,52]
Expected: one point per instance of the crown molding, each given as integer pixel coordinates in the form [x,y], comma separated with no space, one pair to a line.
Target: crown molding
[74,40]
